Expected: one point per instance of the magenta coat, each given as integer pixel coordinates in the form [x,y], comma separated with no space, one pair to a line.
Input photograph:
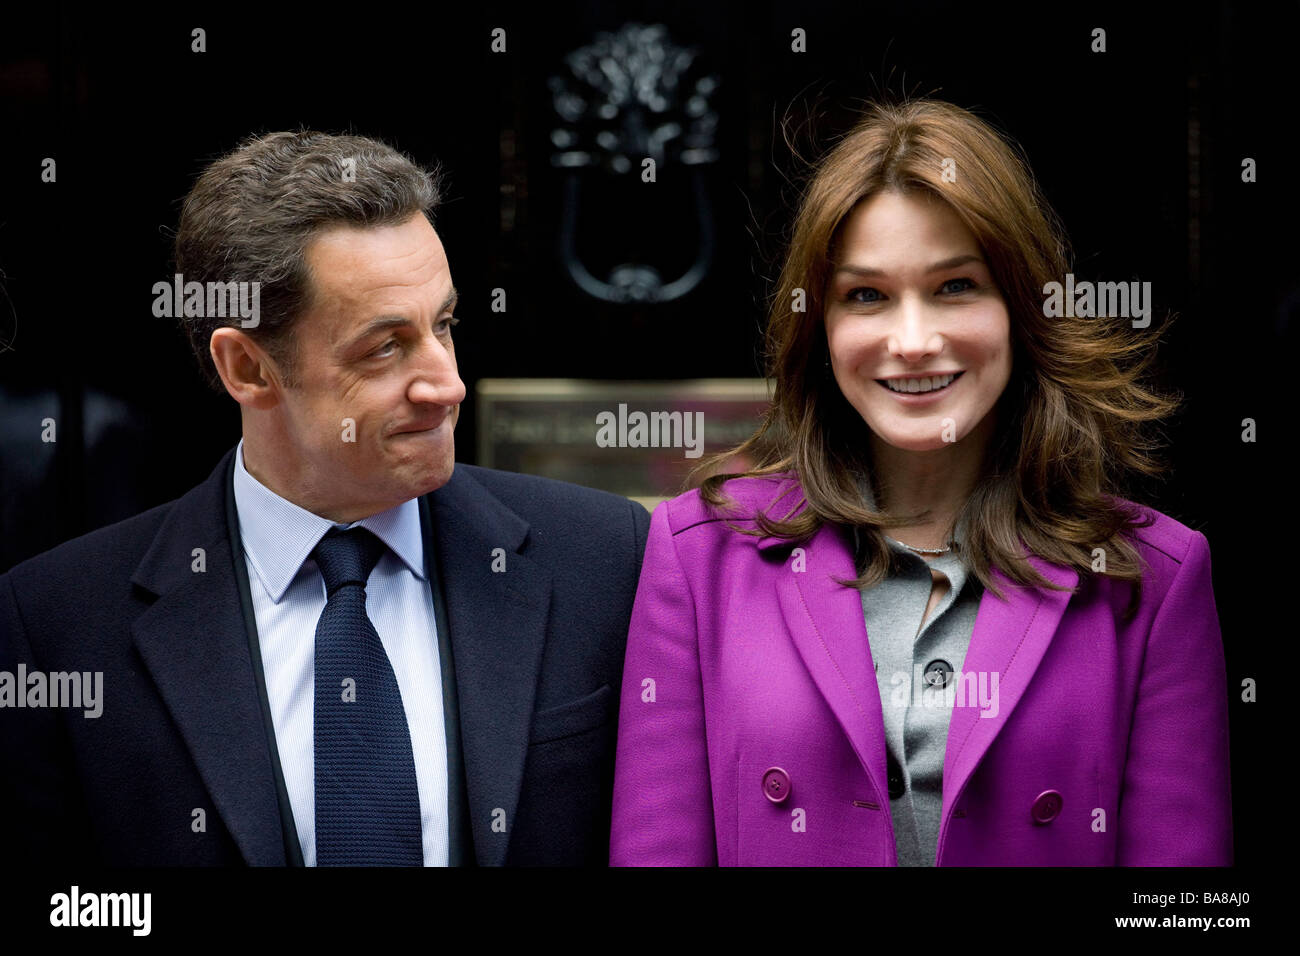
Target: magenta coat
[750,728]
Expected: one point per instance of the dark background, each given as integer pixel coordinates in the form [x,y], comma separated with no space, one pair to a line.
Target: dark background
[1139,149]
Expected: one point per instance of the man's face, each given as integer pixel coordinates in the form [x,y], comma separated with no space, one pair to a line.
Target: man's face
[370,422]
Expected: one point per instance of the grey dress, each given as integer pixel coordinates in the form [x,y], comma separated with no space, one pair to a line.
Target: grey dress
[916,676]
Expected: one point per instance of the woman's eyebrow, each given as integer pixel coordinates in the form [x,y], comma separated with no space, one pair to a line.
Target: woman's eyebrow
[871,272]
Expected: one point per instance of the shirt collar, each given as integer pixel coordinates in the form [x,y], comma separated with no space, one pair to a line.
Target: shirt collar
[278,535]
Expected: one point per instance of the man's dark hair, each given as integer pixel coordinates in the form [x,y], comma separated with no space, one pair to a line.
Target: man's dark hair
[252,214]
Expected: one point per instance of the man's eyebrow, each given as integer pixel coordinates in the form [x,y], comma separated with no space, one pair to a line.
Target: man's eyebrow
[384,322]
[869,272]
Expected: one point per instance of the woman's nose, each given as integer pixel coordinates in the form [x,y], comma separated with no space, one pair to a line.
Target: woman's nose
[914,334]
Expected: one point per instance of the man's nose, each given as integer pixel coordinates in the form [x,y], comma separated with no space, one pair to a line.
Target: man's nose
[437,379]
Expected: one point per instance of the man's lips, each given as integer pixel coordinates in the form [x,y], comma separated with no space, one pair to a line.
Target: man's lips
[421,429]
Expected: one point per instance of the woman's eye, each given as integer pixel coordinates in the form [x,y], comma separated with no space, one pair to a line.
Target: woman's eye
[853,294]
[866,295]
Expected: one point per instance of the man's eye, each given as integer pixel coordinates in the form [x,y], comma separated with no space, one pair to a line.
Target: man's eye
[448,322]
[383,349]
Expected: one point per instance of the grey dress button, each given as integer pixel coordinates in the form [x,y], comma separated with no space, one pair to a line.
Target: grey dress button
[896,785]
[938,673]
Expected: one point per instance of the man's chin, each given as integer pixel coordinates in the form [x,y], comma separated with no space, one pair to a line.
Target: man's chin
[431,478]
[436,480]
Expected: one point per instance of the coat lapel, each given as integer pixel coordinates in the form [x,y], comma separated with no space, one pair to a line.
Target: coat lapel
[194,642]
[825,622]
[497,621]
[1010,637]
[827,626]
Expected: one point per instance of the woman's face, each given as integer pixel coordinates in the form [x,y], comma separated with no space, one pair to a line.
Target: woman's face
[910,298]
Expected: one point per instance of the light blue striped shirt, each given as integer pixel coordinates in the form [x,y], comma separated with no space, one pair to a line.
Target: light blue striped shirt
[288,595]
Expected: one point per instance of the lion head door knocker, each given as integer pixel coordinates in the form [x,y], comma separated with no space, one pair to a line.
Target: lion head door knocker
[631,96]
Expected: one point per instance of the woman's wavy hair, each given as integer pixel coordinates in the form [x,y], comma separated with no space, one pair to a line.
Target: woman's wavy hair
[1071,422]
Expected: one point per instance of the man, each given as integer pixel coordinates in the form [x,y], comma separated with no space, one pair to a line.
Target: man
[342,648]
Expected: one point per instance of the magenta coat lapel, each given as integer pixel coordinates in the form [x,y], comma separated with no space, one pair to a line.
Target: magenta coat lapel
[827,626]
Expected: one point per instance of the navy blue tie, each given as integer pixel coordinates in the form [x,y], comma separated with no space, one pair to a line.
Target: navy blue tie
[367,801]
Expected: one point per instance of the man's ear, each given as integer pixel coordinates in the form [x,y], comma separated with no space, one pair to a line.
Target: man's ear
[250,376]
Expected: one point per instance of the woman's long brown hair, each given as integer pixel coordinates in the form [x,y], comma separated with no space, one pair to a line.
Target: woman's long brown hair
[1072,422]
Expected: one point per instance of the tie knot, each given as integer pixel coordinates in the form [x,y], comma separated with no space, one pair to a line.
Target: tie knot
[347,557]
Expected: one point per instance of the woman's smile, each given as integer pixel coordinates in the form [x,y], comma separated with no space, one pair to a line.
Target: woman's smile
[920,390]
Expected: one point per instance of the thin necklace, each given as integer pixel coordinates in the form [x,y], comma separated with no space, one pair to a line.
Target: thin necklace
[943,550]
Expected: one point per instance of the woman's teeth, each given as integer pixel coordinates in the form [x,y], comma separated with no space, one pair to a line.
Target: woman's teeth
[919,384]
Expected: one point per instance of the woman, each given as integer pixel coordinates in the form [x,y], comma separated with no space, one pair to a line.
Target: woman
[937,487]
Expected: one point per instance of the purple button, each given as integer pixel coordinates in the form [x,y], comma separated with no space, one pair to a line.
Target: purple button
[776,784]
[1046,806]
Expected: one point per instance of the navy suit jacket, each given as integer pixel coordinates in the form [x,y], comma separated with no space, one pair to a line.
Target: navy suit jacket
[532,658]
